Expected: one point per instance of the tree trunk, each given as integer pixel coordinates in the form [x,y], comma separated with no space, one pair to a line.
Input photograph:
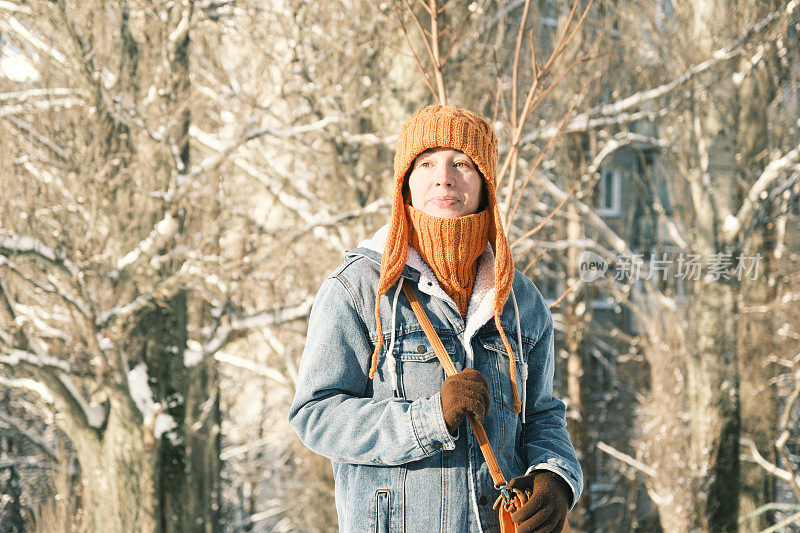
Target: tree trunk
[202,490]
[10,504]
[756,324]
[712,387]
[118,473]
[577,387]
[703,494]
[712,364]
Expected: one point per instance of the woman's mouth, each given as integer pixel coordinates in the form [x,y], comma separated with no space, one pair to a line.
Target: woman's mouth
[443,202]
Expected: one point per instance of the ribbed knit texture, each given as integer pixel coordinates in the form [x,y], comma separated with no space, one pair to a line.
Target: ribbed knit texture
[451,247]
[448,127]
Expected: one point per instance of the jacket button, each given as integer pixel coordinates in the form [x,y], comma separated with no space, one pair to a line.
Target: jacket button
[483,500]
[422,348]
[436,445]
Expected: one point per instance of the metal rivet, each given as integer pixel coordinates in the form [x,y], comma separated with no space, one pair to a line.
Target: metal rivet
[422,348]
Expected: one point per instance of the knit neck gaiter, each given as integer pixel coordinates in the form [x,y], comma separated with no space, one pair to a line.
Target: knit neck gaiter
[451,247]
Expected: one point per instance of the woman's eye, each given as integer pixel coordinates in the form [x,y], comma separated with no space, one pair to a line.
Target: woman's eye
[461,163]
[425,164]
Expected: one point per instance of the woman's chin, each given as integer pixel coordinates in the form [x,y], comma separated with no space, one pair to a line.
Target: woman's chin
[444,212]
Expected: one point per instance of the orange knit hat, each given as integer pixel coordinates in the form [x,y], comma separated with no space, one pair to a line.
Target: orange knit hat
[448,127]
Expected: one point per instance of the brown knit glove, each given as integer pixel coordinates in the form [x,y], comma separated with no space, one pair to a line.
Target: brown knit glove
[549,497]
[461,393]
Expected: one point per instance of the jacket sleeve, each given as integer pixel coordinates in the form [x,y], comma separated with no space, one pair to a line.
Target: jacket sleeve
[330,412]
[545,438]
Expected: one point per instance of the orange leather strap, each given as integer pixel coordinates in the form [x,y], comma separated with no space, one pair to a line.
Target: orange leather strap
[449,370]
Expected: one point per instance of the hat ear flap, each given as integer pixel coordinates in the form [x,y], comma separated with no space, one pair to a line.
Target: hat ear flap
[393,260]
[503,259]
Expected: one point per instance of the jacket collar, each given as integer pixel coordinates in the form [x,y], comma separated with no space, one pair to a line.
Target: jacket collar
[480,309]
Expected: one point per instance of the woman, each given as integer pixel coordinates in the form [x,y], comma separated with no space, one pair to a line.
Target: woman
[374,399]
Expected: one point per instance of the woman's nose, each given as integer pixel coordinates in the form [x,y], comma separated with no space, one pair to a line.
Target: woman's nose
[443,176]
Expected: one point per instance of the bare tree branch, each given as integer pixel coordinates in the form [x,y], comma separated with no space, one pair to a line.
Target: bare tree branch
[51,287]
[164,289]
[308,208]
[756,456]
[252,366]
[18,426]
[627,459]
[224,334]
[26,128]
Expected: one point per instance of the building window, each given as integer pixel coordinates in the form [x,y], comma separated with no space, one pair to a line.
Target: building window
[548,13]
[609,193]
[551,288]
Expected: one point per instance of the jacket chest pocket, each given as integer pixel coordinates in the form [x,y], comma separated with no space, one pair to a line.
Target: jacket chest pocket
[496,368]
[420,374]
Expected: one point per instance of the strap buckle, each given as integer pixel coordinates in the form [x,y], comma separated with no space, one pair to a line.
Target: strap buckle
[504,493]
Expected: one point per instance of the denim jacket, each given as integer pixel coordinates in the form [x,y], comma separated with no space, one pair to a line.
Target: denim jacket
[396,467]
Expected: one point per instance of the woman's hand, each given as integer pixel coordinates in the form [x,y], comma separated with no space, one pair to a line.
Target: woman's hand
[461,393]
[549,497]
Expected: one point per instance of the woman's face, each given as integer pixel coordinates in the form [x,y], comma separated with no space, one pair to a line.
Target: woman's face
[445,183]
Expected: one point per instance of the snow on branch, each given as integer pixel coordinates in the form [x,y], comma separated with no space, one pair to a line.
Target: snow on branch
[180,32]
[29,385]
[163,290]
[50,179]
[759,191]
[195,352]
[164,231]
[54,383]
[300,203]
[54,386]
[22,96]
[250,133]
[14,7]
[16,357]
[335,220]
[40,105]
[313,126]
[152,413]
[12,25]
[11,243]
[272,318]
[616,109]
[94,413]
[230,452]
